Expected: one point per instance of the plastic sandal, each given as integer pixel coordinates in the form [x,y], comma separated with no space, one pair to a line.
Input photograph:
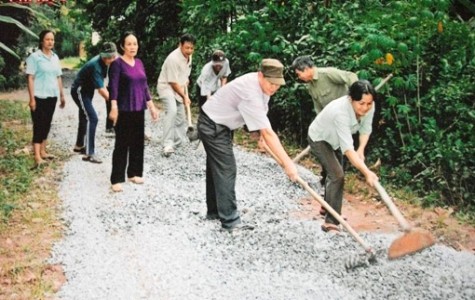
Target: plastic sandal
[92,159]
[331,228]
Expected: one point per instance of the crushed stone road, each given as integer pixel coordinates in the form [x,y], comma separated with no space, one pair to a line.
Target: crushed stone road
[152,241]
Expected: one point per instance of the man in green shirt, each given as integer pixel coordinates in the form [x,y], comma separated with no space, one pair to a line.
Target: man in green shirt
[324,84]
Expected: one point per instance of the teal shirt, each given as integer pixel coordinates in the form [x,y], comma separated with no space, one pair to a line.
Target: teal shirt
[336,123]
[329,84]
[46,71]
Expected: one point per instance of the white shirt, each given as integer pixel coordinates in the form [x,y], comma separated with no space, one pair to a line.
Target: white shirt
[175,68]
[240,102]
[337,122]
[209,81]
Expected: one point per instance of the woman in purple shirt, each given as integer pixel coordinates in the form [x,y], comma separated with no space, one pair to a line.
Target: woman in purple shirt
[130,96]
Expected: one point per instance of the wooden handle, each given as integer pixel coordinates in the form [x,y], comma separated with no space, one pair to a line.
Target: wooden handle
[336,215]
[301,154]
[327,206]
[392,207]
[188,109]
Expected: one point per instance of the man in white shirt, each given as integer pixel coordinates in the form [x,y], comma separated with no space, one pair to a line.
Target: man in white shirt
[242,101]
[172,85]
[213,76]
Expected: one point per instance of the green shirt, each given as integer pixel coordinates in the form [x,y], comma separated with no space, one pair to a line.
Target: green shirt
[329,84]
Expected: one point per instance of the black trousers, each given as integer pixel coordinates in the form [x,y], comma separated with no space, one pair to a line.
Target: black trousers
[109,124]
[42,118]
[220,171]
[129,145]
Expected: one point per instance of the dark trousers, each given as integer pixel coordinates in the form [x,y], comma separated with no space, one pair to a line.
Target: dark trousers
[42,118]
[335,180]
[87,119]
[220,171]
[109,124]
[129,146]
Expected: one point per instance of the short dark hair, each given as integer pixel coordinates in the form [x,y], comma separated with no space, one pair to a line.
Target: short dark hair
[42,36]
[360,88]
[187,38]
[302,62]
[122,40]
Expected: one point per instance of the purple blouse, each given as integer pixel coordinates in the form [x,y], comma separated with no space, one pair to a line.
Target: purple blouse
[128,85]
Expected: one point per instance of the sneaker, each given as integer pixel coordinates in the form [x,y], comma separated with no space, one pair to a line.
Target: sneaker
[168,150]
[239,227]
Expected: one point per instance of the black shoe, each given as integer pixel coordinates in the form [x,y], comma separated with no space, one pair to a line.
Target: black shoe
[239,227]
[212,217]
[81,150]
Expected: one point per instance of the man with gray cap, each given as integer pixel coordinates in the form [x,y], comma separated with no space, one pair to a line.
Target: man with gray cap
[91,78]
[242,101]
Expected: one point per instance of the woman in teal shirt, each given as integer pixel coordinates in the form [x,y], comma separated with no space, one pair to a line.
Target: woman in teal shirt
[44,87]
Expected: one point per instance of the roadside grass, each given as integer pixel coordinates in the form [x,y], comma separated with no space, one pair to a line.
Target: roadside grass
[71,63]
[29,221]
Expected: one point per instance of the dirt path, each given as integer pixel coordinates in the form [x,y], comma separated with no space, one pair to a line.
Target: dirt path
[365,214]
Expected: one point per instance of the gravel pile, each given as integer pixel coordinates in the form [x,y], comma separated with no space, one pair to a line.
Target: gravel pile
[152,241]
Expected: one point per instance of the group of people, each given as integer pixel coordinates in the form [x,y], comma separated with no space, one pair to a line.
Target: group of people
[344,106]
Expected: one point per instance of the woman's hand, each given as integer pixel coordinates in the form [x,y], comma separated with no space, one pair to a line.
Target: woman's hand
[114,114]
[32,104]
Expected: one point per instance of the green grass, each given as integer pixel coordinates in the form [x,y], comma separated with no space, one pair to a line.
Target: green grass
[71,63]
[15,175]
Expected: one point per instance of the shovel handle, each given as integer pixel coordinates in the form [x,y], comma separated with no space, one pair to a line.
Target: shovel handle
[301,154]
[336,215]
[188,115]
[327,206]
[188,109]
[392,207]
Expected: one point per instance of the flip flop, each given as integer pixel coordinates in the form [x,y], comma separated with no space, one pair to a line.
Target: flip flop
[38,165]
[323,212]
[92,159]
[331,228]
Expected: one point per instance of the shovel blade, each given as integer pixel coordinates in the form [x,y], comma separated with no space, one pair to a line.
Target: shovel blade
[192,133]
[411,242]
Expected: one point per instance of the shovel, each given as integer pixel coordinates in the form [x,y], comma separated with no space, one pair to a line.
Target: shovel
[191,131]
[352,263]
[307,150]
[411,241]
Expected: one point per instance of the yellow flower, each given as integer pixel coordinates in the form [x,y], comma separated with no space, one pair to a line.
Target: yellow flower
[389,58]
[379,61]
[440,27]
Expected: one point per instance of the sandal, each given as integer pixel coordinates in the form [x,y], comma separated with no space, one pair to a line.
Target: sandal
[49,157]
[92,159]
[38,165]
[323,212]
[331,228]
[136,180]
